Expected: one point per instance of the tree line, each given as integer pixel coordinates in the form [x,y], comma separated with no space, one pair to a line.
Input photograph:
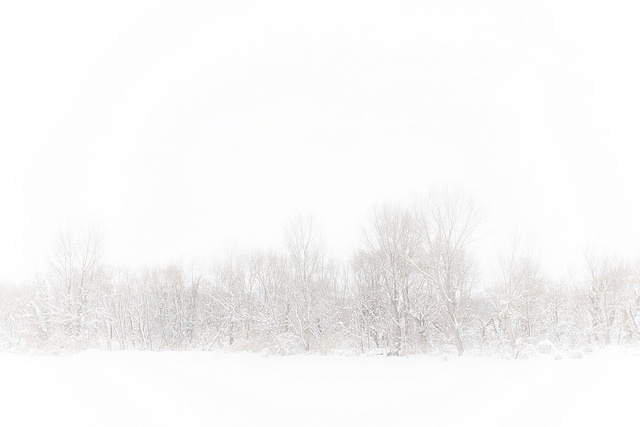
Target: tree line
[411,287]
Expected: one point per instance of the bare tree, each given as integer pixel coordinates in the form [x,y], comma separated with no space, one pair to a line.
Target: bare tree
[268,280]
[75,270]
[307,263]
[606,297]
[386,275]
[517,295]
[449,222]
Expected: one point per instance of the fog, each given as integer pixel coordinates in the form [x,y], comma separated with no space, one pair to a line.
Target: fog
[185,129]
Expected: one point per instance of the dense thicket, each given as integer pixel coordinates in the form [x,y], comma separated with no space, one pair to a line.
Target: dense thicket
[411,287]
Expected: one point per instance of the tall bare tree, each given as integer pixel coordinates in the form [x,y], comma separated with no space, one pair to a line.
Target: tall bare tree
[449,221]
[387,276]
[307,264]
[75,270]
[518,293]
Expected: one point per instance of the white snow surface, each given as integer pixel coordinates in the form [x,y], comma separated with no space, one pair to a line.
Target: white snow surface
[240,389]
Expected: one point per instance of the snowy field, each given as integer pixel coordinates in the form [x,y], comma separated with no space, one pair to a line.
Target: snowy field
[194,388]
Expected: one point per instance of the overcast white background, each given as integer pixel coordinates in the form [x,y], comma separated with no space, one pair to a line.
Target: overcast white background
[185,128]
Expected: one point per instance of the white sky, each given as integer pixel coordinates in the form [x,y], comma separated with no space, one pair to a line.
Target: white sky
[184,128]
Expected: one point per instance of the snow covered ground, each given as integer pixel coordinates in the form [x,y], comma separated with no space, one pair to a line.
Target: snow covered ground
[198,388]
